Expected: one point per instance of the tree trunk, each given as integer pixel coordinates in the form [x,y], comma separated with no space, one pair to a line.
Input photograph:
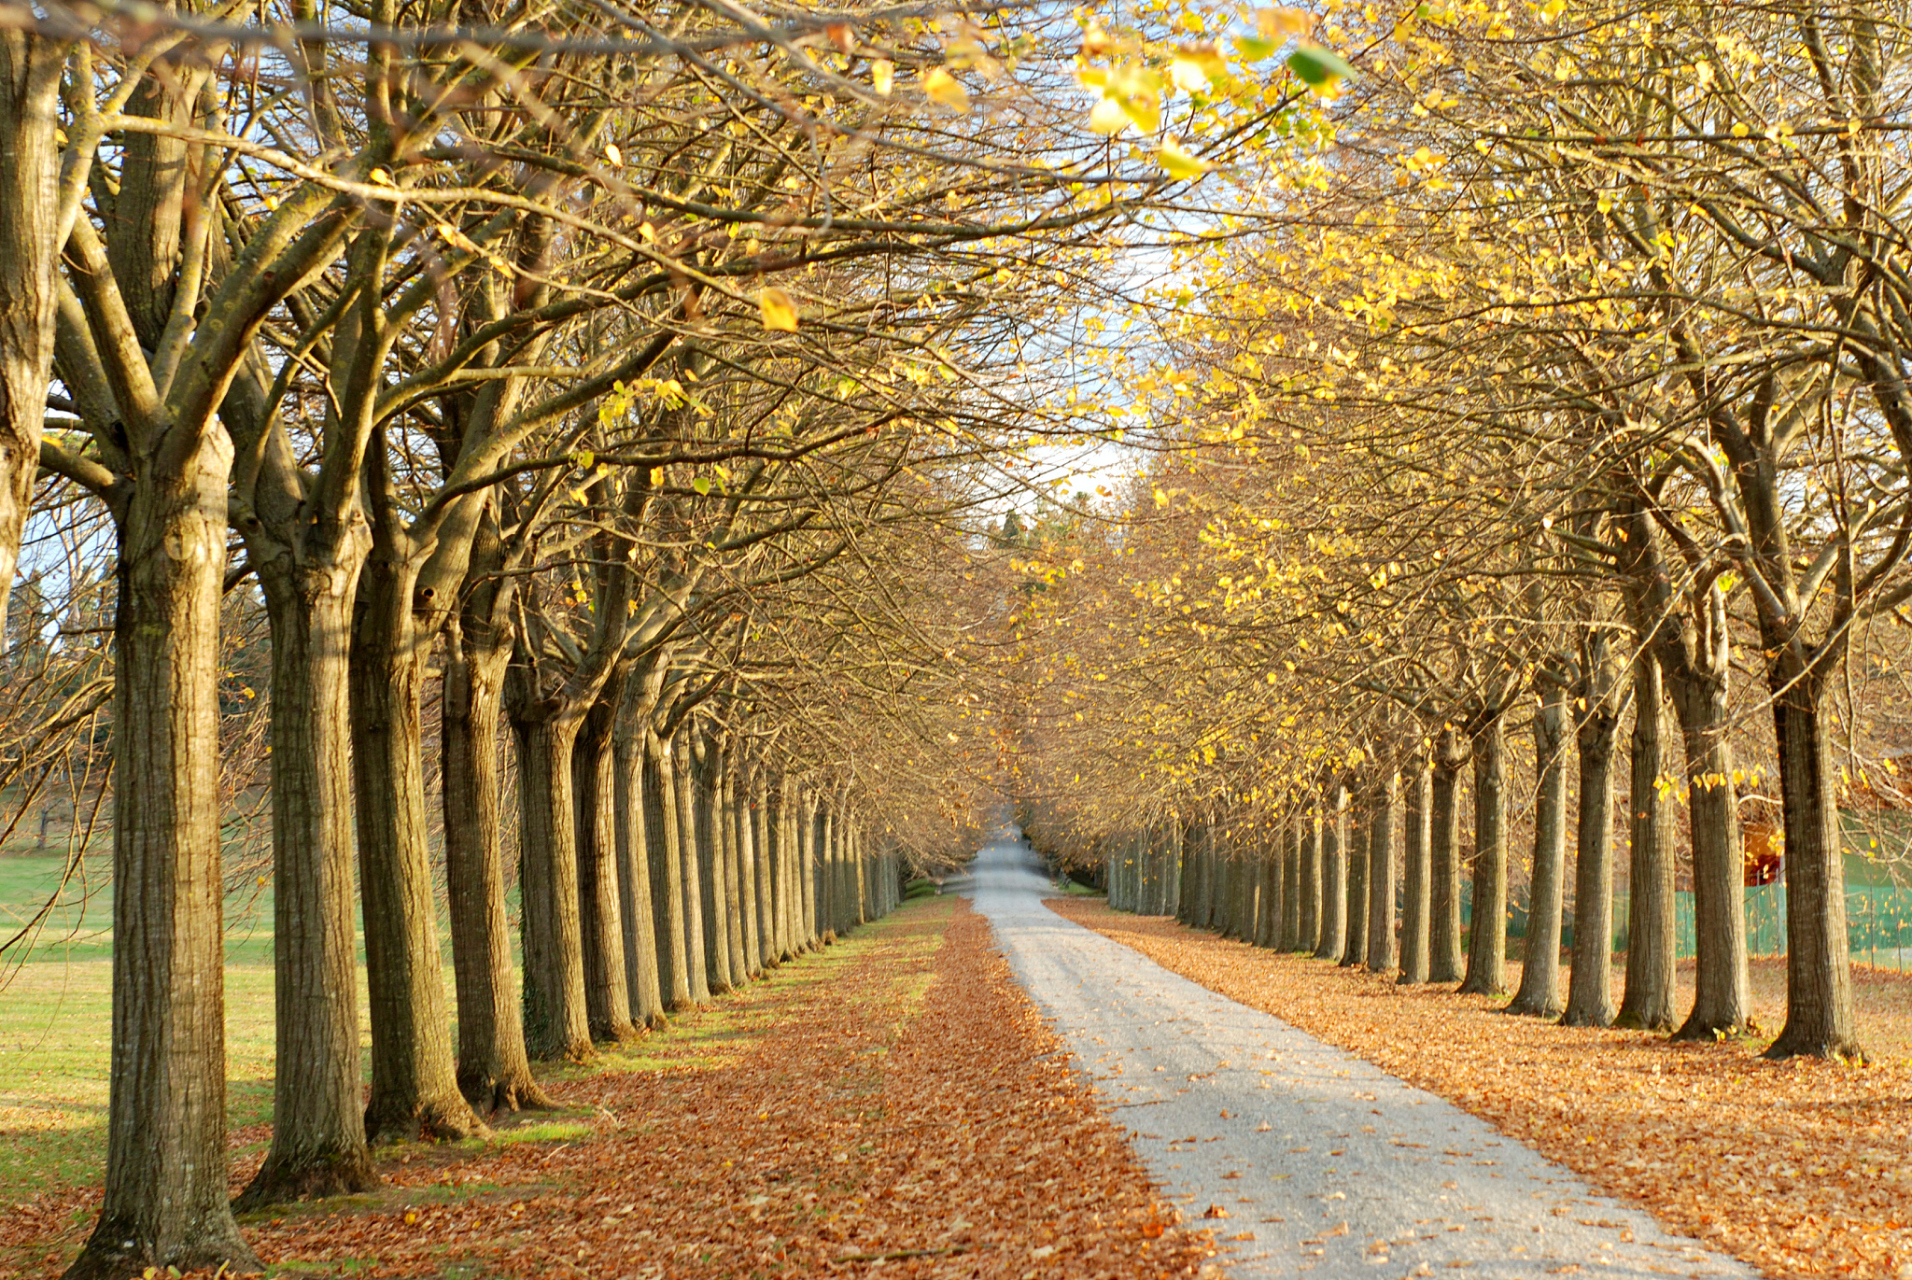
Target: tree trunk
[1290,938]
[763,840]
[1722,983]
[607,992]
[1444,860]
[1383,950]
[684,793]
[1590,986]
[318,1123]
[1417,899]
[414,1074]
[30,70]
[556,1023]
[165,1199]
[743,863]
[1648,1001]
[1309,908]
[711,871]
[1333,932]
[1487,948]
[1539,994]
[639,902]
[1354,949]
[1268,897]
[494,1071]
[664,847]
[1819,1019]
[756,889]
[807,856]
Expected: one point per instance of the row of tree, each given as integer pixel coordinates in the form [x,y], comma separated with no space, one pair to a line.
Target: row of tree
[1572,396]
[618,382]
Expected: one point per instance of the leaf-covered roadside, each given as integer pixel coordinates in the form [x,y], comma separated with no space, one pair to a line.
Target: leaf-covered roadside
[895,1103]
[1798,1168]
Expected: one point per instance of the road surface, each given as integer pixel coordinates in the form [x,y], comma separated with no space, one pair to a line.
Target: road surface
[1324,1165]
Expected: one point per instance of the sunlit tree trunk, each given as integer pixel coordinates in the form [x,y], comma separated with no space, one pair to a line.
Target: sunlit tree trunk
[690,878]
[664,849]
[1444,858]
[1539,993]
[1334,867]
[1590,986]
[556,1023]
[1417,873]
[1354,911]
[414,1071]
[1648,1000]
[607,993]
[1487,947]
[494,1069]
[1290,938]
[165,1201]
[1382,946]
[1309,908]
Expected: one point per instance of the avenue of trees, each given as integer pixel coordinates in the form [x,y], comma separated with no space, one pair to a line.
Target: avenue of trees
[1560,431]
[537,445]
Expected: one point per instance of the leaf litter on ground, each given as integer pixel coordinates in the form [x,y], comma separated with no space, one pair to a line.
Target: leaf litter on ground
[895,1105]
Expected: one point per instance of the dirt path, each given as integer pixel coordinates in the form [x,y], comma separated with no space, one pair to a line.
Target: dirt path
[1324,1164]
[894,1104]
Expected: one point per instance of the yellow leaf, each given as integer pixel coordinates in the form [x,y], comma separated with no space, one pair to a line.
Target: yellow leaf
[1178,163]
[882,76]
[940,86]
[380,178]
[612,154]
[779,310]
[1108,117]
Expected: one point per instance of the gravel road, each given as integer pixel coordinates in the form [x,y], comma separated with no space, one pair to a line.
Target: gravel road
[1308,1160]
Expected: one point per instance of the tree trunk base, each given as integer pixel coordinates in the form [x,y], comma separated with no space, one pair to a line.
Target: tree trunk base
[335,1173]
[1803,1044]
[1532,1007]
[1439,974]
[1479,987]
[1634,1020]
[424,1121]
[1709,1030]
[616,1033]
[1587,1017]
[491,1095]
[114,1252]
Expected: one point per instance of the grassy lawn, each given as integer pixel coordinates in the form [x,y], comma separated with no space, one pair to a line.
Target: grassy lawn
[56,1006]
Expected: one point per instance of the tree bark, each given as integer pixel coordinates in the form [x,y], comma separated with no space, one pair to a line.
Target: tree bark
[30,72]
[1333,932]
[1487,947]
[1819,1019]
[1383,950]
[165,1202]
[1354,948]
[556,1023]
[1418,875]
[494,1070]
[1539,994]
[414,1074]
[763,840]
[1590,985]
[1444,859]
[664,848]
[1290,937]
[639,901]
[1310,871]
[743,864]
[1722,982]
[607,993]
[684,793]
[1647,1003]
[318,1122]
